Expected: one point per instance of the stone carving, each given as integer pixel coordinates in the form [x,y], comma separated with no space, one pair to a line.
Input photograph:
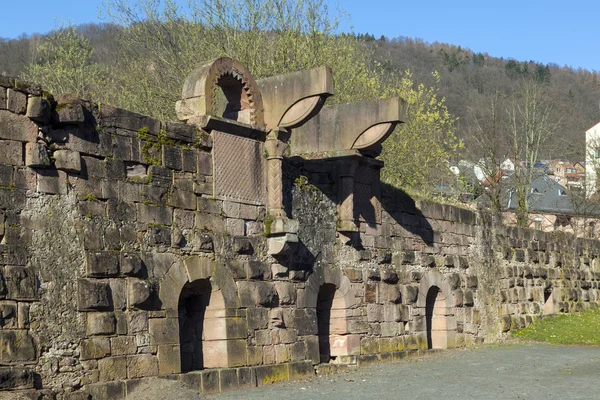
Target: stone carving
[292,99]
[200,100]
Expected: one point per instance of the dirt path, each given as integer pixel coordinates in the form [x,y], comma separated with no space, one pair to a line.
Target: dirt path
[522,371]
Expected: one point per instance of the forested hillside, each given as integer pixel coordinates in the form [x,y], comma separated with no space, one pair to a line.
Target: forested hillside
[469,79]
[461,105]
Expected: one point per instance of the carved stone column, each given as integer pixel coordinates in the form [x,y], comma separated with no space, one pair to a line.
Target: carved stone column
[283,232]
[347,169]
[275,146]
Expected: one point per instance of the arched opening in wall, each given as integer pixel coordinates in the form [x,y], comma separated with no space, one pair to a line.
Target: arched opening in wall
[324,310]
[548,301]
[231,99]
[437,319]
[202,338]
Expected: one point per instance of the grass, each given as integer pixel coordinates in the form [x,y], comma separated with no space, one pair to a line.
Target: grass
[580,329]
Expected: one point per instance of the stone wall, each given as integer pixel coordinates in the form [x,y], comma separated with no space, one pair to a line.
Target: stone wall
[122,257]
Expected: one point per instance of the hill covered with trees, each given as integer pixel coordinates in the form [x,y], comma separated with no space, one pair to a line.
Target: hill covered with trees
[140,57]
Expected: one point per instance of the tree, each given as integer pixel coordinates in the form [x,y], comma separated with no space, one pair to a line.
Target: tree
[416,155]
[162,42]
[62,63]
[487,143]
[532,124]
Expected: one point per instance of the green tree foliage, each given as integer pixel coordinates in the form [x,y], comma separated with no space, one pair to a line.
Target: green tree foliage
[63,63]
[162,42]
[416,155]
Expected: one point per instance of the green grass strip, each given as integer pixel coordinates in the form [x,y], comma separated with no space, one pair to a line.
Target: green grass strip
[582,328]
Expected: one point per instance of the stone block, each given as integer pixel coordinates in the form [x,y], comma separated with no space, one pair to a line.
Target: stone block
[118,289]
[254,293]
[11,152]
[374,313]
[102,264]
[69,112]
[269,374]
[107,390]
[101,323]
[286,292]
[112,368]
[123,345]
[138,293]
[8,315]
[21,283]
[14,378]
[163,331]
[305,321]
[171,157]
[142,365]
[67,160]
[169,359]
[182,199]
[210,382]
[17,346]
[246,377]
[16,101]
[52,182]
[369,345]
[154,214]
[205,166]
[235,227]
[36,155]
[95,348]
[228,379]
[93,294]
[344,345]
[38,109]
[132,265]
[17,127]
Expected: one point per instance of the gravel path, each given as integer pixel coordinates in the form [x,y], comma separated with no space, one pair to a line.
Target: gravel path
[521,371]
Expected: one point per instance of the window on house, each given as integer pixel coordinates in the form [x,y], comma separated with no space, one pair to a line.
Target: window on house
[597,153]
[535,191]
[562,192]
[538,224]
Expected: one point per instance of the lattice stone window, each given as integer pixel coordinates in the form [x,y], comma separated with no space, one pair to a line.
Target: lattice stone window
[238,168]
[367,206]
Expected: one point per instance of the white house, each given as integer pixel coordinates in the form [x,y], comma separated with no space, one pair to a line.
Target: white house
[592,158]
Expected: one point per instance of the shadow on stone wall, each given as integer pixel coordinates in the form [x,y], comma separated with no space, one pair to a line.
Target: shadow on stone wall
[321,175]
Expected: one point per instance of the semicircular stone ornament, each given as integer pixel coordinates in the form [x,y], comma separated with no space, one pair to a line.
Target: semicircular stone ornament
[238,91]
[374,135]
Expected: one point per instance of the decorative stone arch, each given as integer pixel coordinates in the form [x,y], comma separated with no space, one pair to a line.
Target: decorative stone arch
[243,96]
[436,299]
[329,292]
[215,299]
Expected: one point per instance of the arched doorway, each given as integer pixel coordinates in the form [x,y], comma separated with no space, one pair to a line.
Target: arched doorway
[202,331]
[437,320]
[324,305]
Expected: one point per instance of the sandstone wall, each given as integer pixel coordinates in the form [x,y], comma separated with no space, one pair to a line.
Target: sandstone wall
[118,261]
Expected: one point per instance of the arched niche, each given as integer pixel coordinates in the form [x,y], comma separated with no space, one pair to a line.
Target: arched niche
[435,297]
[222,88]
[330,293]
[197,295]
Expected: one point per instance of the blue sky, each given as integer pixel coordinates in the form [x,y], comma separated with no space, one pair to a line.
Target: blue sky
[543,31]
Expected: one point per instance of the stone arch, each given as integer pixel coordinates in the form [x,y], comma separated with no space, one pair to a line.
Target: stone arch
[329,292]
[436,301]
[242,94]
[193,291]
